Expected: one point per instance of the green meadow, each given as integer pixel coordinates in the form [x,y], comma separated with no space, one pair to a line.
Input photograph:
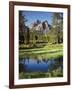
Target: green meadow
[49,51]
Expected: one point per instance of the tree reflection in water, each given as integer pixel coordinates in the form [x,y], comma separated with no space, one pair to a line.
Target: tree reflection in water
[44,64]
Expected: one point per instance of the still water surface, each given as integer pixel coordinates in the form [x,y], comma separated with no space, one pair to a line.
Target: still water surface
[44,65]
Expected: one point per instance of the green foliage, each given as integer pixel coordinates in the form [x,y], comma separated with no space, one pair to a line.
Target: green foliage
[55,35]
[57,28]
[22,21]
[23,29]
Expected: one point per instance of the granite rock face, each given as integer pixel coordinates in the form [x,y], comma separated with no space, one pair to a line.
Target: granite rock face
[37,32]
[42,27]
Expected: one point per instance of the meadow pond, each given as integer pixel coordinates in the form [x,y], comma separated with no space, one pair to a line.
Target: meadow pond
[41,63]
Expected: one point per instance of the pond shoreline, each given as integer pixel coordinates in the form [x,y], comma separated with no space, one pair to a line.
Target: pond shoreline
[39,69]
[54,50]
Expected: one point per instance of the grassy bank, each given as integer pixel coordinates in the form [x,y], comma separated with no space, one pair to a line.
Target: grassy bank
[54,73]
[48,51]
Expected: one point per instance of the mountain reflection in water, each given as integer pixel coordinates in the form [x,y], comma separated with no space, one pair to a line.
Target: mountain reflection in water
[37,65]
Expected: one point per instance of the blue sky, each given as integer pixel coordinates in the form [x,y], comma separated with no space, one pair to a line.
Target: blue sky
[32,16]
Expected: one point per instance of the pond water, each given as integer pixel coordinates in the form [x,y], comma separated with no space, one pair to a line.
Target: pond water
[36,65]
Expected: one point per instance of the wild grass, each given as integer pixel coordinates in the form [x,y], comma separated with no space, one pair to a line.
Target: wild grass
[49,51]
[29,75]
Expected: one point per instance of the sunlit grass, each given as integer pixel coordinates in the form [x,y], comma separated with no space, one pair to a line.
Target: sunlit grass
[49,51]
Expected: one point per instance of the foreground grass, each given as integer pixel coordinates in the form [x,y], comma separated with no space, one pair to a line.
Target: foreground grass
[54,73]
[49,51]
[41,56]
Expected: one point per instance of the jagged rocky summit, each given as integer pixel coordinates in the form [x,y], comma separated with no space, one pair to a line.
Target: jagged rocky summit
[43,27]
